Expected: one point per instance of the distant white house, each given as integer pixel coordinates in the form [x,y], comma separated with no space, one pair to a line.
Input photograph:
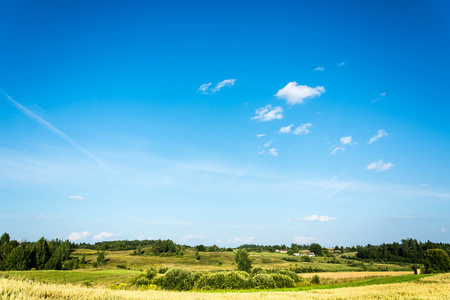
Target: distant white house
[311,254]
[277,251]
[296,254]
[283,251]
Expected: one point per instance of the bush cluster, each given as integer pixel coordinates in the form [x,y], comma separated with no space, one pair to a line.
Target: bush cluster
[182,280]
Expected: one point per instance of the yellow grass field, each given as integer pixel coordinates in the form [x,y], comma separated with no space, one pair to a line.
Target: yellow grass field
[434,287]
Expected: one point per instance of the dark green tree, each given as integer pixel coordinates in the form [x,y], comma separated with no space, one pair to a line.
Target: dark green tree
[41,253]
[244,263]
[316,248]
[4,239]
[294,248]
[19,259]
[436,261]
[83,259]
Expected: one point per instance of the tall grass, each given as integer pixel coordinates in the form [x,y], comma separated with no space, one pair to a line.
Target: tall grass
[434,287]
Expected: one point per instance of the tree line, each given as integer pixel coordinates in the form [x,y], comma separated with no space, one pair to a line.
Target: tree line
[408,251]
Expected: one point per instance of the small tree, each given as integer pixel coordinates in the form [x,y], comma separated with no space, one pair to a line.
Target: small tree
[101,258]
[244,263]
[197,256]
[436,261]
[83,259]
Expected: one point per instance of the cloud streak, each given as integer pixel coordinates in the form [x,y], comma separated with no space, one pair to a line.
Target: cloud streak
[296,94]
[379,166]
[381,133]
[55,130]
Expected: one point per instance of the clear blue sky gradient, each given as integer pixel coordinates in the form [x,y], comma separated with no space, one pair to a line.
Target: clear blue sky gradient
[105,134]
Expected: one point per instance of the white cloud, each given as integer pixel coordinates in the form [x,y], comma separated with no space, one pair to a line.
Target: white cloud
[104,235]
[273,151]
[260,135]
[226,82]
[204,87]
[296,94]
[346,140]
[443,229]
[192,237]
[244,239]
[306,239]
[319,69]
[75,236]
[337,149]
[341,64]
[261,152]
[382,95]
[379,166]
[303,129]
[268,113]
[77,197]
[318,218]
[267,144]
[381,133]
[286,129]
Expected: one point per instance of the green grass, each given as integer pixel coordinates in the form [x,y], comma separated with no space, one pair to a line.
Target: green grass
[103,277]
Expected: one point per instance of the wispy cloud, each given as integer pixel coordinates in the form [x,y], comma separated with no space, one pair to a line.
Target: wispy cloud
[379,166]
[55,130]
[318,218]
[77,198]
[104,235]
[41,216]
[300,130]
[268,144]
[303,129]
[319,69]
[381,133]
[296,94]
[286,129]
[268,113]
[443,229]
[336,149]
[273,152]
[260,135]
[76,236]
[382,96]
[341,64]
[345,140]
[226,82]
[206,87]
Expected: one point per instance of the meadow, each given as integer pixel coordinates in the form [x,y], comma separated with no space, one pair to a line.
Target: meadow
[424,287]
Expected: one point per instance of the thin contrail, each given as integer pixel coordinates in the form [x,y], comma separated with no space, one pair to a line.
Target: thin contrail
[46,124]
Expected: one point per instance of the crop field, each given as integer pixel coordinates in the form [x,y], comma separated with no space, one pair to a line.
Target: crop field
[424,287]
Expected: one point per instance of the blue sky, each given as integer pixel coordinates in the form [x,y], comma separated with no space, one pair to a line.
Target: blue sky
[225,123]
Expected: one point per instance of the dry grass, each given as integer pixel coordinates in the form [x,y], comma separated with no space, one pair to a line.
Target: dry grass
[436,287]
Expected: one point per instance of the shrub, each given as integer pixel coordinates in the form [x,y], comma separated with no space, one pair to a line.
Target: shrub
[282,281]
[263,281]
[178,279]
[121,267]
[436,261]
[236,280]
[256,271]
[143,281]
[291,274]
[162,270]
[151,273]
[315,279]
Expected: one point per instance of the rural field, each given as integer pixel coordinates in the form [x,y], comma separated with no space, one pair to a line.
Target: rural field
[432,287]
[342,279]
